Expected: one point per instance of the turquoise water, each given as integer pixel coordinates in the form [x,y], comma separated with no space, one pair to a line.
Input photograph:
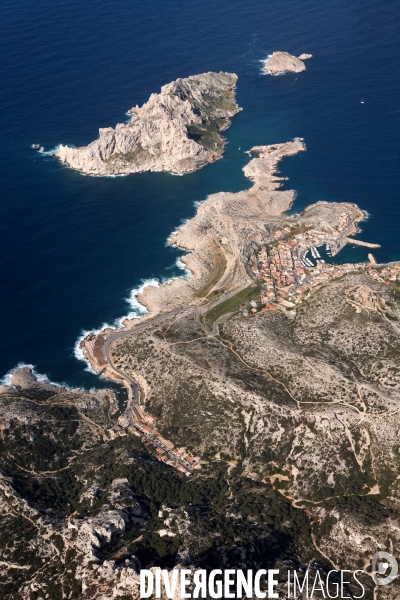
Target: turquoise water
[72,247]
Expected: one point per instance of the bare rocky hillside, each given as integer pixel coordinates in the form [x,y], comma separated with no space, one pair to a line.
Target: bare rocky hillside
[177,130]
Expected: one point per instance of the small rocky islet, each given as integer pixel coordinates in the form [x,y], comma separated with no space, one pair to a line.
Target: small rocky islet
[281,62]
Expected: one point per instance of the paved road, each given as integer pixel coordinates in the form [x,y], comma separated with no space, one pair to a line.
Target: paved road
[132,412]
[121,334]
[150,322]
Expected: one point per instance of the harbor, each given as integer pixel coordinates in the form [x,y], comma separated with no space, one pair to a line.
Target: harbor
[296,263]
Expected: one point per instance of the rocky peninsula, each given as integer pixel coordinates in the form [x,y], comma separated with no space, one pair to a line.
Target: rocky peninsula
[222,226]
[263,397]
[280,62]
[221,237]
[177,130]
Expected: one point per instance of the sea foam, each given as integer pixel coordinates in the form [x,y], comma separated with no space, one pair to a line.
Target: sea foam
[137,311]
[6,380]
[175,232]
[263,71]
[50,152]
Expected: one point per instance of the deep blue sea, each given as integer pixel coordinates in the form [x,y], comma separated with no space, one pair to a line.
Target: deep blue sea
[73,247]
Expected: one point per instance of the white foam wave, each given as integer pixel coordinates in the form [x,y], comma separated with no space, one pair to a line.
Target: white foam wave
[50,152]
[129,116]
[175,232]
[264,71]
[112,176]
[181,265]
[6,380]
[278,74]
[78,352]
[138,310]
[265,60]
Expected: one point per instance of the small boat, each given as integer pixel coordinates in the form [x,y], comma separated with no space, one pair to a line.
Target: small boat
[362,101]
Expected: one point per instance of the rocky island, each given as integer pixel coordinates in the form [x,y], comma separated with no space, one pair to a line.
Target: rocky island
[280,62]
[177,130]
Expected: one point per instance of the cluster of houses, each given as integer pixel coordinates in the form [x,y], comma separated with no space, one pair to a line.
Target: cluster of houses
[344,221]
[280,270]
[179,458]
[288,273]
[142,425]
[388,273]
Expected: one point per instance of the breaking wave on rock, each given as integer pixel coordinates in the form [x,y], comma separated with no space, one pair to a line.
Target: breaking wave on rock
[6,380]
[49,152]
[137,310]
[264,71]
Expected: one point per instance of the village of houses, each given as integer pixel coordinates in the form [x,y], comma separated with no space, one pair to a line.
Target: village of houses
[289,274]
[141,424]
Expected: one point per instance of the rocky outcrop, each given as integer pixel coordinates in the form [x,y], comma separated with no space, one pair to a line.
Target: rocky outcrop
[24,378]
[177,130]
[280,62]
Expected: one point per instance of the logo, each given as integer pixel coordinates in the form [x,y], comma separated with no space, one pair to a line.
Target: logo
[381,561]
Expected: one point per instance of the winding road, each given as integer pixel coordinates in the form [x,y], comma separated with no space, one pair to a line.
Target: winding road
[150,322]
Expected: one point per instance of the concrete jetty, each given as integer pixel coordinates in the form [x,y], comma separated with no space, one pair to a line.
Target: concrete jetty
[361,243]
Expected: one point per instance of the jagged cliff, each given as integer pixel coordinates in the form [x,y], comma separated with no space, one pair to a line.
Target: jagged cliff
[83,508]
[176,130]
[280,62]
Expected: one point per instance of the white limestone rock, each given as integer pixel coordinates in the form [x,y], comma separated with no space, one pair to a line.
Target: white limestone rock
[280,62]
[24,378]
[176,130]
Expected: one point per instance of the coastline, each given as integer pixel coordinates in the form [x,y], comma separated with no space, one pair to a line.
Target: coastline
[6,380]
[145,296]
[139,310]
[156,296]
[153,298]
